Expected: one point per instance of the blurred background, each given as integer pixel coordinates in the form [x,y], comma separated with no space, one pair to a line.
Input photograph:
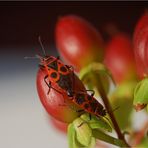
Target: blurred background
[23,121]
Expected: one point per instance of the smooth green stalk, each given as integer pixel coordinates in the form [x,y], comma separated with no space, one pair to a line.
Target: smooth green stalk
[109,109]
[104,137]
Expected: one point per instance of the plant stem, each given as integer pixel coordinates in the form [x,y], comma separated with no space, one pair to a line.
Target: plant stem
[109,139]
[109,109]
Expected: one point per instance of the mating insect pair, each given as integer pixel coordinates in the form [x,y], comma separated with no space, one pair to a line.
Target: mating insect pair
[63,76]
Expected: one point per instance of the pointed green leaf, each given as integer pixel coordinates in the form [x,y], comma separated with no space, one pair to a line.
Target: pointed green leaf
[96,123]
[83,132]
[141,94]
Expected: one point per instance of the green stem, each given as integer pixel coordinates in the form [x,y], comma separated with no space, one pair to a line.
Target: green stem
[104,137]
[109,109]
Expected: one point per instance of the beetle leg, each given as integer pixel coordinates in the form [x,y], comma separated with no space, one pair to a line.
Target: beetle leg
[84,121]
[58,57]
[81,124]
[49,85]
[92,92]
[72,107]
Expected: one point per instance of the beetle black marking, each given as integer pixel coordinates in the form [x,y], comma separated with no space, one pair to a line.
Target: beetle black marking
[53,75]
[63,69]
[53,65]
[86,106]
[65,82]
[80,98]
[89,104]
[89,97]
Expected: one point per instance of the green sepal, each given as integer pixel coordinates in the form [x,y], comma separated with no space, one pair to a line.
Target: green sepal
[71,137]
[97,122]
[89,73]
[83,132]
[141,95]
[92,143]
[82,135]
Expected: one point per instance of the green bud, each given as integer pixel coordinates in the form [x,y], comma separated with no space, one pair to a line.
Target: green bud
[83,132]
[141,95]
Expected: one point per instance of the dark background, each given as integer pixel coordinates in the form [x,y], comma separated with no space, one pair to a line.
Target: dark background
[22,22]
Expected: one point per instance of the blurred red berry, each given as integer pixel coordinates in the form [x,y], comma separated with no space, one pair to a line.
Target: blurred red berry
[119,58]
[54,101]
[78,41]
[141,45]
[142,23]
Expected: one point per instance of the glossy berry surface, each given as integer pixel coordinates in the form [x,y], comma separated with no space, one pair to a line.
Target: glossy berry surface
[119,58]
[78,41]
[141,45]
[56,104]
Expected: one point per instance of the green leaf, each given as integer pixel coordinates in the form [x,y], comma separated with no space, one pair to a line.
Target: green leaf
[83,132]
[96,123]
[141,94]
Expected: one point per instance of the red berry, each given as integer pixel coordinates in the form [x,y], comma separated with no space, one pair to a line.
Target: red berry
[119,58]
[141,46]
[78,41]
[142,23]
[54,101]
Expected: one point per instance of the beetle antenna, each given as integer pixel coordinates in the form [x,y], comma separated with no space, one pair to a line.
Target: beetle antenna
[35,57]
[116,108]
[112,111]
[41,44]
[31,57]
[108,120]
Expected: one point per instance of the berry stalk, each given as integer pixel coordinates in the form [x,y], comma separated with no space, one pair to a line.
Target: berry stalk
[105,99]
